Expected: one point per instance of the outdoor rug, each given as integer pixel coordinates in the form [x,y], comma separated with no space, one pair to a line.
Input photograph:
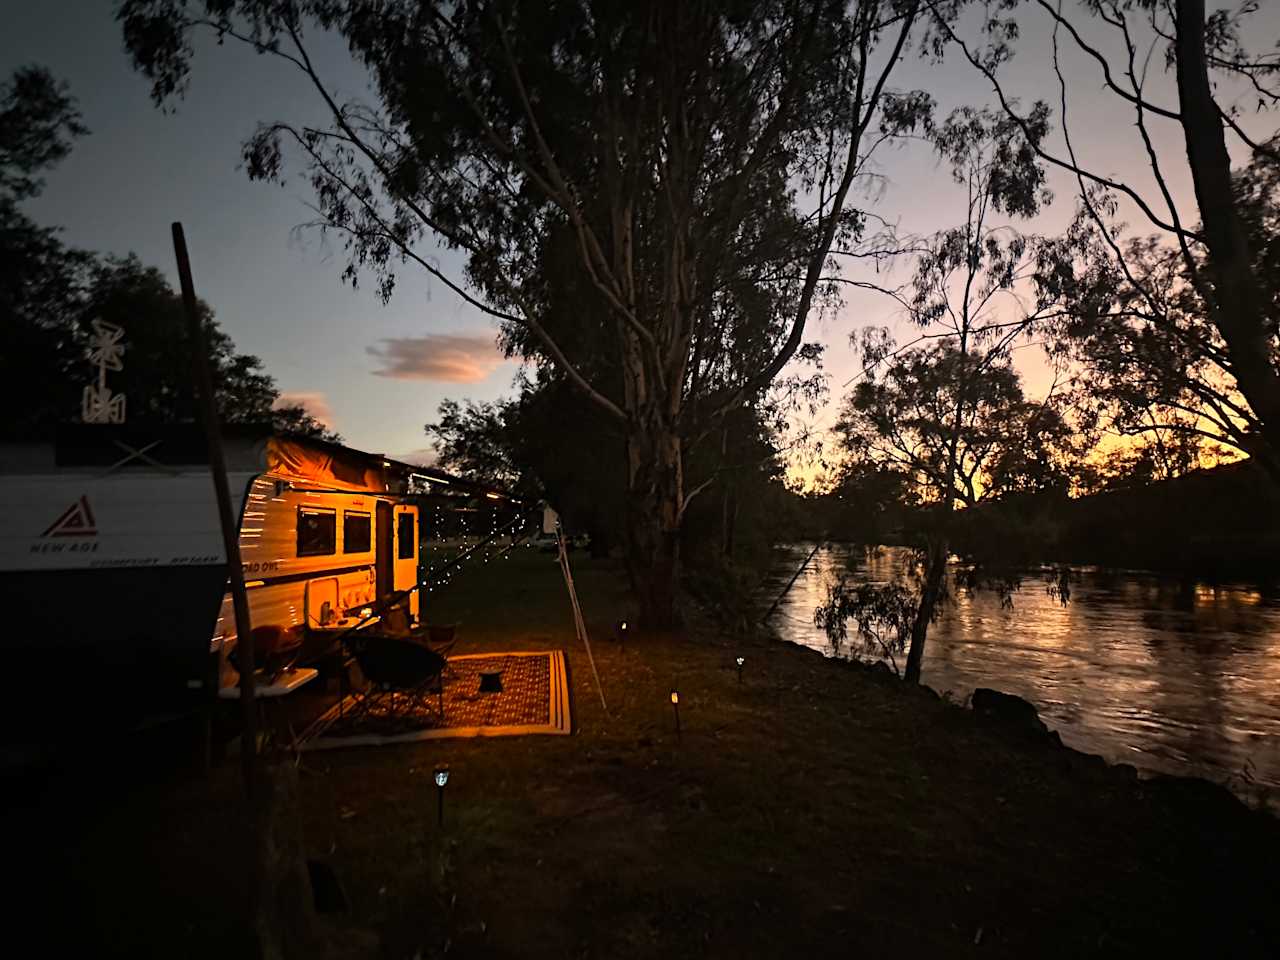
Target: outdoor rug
[534,698]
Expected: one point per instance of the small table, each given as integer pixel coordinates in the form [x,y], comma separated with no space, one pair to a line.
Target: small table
[285,684]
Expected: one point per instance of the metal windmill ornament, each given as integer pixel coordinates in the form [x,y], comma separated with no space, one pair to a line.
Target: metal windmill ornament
[106,352]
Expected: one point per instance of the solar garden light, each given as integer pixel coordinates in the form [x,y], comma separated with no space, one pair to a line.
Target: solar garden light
[620,631]
[441,777]
[675,707]
[741,661]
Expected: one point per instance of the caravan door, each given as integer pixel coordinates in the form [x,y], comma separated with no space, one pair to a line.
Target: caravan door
[405,564]
[384,550]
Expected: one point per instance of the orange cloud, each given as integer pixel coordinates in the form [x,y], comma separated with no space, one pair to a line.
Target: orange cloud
[453,358]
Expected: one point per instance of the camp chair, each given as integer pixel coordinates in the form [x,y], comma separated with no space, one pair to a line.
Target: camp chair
[440,637]
[400,675]
[395,621]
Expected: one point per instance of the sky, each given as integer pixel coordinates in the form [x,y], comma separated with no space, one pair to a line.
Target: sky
[377,373]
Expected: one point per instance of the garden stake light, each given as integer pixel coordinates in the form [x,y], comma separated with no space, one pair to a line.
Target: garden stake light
[741,661]
[442,777]
[675,707]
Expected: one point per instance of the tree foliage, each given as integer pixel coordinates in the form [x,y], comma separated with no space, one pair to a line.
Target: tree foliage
[1135,317]
[904,419]
[474,440]
[1180,322]
[42,282]
[39,121]
[882,616]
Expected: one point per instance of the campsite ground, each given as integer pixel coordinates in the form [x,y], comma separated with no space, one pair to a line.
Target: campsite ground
[815,809]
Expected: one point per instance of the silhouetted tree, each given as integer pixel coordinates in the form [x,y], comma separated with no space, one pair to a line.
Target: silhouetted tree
[474,440]
[666,140]
[541,444]
[951,416]
[957,425]
[42,281]
[1220,370]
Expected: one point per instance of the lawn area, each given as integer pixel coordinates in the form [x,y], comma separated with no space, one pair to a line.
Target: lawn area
[814,809]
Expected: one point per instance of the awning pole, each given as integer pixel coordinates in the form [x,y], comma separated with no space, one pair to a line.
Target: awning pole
[578,623]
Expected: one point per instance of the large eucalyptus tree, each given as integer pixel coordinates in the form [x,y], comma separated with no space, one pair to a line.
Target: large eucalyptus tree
[694,161]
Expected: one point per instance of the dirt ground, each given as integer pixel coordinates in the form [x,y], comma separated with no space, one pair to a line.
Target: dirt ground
[814,809]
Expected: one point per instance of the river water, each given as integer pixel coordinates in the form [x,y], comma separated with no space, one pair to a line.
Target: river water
[1170,676]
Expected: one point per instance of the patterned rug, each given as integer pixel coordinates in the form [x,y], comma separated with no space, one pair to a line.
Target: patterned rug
[533,698]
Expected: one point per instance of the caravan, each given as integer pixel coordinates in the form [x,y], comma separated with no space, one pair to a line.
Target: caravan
[112,570]
[325,537]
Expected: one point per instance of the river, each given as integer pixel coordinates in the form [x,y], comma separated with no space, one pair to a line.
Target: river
[1170,676]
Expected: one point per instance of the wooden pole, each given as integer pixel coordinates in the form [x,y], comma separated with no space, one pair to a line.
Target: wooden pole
[230,524]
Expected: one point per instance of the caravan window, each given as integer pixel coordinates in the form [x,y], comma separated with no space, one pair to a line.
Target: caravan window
[317,532]
[405,536]
[356,536]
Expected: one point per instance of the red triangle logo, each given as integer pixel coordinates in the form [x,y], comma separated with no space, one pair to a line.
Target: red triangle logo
[76,521]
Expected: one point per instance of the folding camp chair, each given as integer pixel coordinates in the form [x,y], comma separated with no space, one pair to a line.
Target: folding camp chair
[401,676]
[439,637]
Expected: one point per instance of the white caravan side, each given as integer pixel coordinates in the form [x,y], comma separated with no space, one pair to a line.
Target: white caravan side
[316,559]
[113,573]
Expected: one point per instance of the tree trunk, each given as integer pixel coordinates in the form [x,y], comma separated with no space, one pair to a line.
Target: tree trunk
[655,487]
[728,518]
[1241,312]
[601,542]
[935,569]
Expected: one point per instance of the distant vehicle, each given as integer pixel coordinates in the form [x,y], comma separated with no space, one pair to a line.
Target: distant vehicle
[546,542]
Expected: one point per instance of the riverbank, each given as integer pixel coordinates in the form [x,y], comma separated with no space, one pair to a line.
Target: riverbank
[816,808]
[1171,677]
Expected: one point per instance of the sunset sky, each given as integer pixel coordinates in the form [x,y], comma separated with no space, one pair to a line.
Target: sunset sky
[377,373]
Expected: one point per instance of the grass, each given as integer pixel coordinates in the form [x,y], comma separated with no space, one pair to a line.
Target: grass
[814,809]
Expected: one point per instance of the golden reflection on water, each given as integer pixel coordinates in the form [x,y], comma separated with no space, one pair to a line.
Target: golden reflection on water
[1144,670]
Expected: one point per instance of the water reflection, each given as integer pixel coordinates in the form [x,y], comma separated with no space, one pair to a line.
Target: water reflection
[1172,677]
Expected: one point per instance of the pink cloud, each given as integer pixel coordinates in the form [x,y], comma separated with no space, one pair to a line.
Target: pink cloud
[453,358]
[312,401]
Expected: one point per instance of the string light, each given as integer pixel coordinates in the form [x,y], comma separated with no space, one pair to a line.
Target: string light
[471,545]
